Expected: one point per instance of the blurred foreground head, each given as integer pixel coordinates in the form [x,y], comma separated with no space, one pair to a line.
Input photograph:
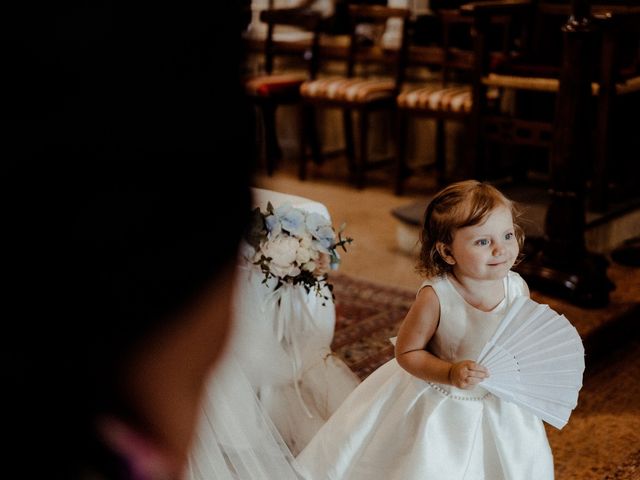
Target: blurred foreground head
[120,234]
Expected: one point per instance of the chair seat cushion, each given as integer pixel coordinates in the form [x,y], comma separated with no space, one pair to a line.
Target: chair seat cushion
[495,80]
[357,90]
[270,85]
[437,98]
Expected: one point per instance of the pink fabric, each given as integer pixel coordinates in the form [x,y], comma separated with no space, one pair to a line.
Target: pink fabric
[144,459]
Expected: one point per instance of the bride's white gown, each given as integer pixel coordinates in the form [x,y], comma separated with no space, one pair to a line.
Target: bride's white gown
[279,381]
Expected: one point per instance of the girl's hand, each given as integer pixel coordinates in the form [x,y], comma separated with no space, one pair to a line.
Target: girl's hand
[467,374]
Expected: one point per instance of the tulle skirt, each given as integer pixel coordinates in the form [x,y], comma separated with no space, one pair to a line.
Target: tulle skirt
[235,439]
[276,386]
[282,343]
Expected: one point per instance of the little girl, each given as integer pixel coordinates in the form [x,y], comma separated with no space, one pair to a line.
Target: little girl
[423,415]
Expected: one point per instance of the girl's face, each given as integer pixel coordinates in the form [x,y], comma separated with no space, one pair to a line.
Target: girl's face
[485,251]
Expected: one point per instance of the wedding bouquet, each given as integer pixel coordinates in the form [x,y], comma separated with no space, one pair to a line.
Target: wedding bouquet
[294,246]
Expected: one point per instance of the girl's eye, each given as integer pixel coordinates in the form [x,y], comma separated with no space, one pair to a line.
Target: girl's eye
[482,242]
[509,236]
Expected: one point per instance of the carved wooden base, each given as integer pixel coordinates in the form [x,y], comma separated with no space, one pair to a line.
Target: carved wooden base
[583,282]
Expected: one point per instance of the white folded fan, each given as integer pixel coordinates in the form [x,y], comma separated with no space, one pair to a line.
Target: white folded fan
[536,360]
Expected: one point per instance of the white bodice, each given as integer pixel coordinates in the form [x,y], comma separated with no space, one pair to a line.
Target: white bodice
[463,329]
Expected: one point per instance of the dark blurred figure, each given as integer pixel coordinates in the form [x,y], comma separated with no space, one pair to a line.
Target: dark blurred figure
[119,238]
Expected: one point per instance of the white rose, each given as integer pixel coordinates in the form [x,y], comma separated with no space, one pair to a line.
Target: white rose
[304,254]
[306,250]
[309,266]
[306,240]
[282,250]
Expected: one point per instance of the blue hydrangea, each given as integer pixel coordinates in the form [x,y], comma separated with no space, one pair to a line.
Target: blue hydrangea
[291,219]
[287,218]
[273,224]
[321,230]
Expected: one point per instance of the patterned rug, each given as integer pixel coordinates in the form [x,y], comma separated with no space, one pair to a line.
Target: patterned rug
[602,439]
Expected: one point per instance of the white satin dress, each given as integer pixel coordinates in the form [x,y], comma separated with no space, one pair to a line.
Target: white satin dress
[395,426]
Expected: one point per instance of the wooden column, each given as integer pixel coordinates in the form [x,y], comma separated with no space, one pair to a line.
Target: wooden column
[563,266]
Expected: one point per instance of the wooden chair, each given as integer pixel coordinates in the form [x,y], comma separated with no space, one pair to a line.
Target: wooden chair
[532,77]
[273,87]
[371,82]
[618,101]
[447,95]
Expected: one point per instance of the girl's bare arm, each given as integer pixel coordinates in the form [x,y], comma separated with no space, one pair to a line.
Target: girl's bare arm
[415,332]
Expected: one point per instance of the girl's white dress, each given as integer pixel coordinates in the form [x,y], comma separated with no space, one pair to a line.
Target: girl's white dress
[395,426]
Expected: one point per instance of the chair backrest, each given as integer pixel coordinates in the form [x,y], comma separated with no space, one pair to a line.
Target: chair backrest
[450,49]
[541,23]
[368,24]
[620,46]
[607,34]
[303,19]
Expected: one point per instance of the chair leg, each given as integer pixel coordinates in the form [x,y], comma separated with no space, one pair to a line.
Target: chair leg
[471,153]
[308,136]
[272,147]
[363,161]
[347,122]
[314,140]
[401,152]
[440,151]
[476,135]
[302,144]
[521,159]
[600,176]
